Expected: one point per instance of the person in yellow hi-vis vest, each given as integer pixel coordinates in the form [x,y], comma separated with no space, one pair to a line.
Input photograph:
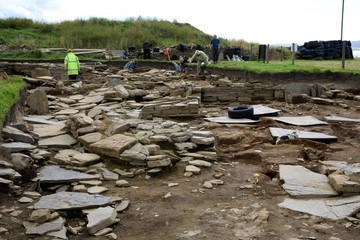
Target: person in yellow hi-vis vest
[72,65]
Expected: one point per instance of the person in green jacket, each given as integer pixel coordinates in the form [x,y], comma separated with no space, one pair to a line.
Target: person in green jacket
[72,65]
[201,57]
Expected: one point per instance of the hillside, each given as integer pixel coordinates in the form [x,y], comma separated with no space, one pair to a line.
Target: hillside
[98,33]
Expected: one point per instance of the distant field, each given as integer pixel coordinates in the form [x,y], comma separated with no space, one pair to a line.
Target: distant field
[310,66]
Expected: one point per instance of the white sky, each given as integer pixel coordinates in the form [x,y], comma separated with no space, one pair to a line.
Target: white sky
[262,21]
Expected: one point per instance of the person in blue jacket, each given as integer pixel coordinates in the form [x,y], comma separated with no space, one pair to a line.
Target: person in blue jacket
[130,65]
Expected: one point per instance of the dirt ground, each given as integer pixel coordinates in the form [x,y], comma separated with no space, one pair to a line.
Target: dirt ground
[238,209]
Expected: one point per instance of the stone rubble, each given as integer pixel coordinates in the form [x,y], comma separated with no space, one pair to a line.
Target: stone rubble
[125,118]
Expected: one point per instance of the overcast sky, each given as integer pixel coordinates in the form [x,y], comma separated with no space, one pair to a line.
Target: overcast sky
[262,21]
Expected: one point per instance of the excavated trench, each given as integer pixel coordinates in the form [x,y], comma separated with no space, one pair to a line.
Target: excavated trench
[243,150]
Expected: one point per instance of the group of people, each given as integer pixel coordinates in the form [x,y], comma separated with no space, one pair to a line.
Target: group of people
[72,64]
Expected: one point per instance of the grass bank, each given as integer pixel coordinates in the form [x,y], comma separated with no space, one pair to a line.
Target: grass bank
[9,94]
[307,66]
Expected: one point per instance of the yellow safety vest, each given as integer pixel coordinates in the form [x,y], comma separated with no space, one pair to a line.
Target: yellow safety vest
[72,64]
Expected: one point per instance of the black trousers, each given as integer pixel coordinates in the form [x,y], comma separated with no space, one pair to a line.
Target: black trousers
[73,77]
[147,54]
[215,53]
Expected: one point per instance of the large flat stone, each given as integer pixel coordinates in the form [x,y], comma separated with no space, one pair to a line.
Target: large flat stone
[85,159]
[44,228]
[71,200]
[45,130]
[17,147]
[17,135]
[277,132]
[40,120]
[56,174]
[303,183]
[334,209]
[113,146]
[101,218]
[59,141]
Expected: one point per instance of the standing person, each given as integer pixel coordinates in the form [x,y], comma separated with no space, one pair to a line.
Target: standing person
[72,65]
[215,44]
[130,65]
[201,57]
[146,49]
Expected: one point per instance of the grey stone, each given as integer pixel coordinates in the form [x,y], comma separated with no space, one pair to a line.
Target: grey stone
[203,140]
[40,215]
[71,200]
[122,206]
[193,169]
[59,234]
[103,232]
[92,99]
[25,200]
[6,164]
[42,229]
[17,147]
[333,209]
[216,182]
[86,130]
[200,163]
[94,112]
[108,175]
[45,130]
[97,190]
[301,182]
[101,218]
[59,141]
[85,159]
[17,135]
[90,138]
[122,183]
[185,146]
[38,102]
[67,112]
[138,152]
[21,161]
[55,174]
[205,134]
[9,173]
[43,120]
[113,146]
[122,92]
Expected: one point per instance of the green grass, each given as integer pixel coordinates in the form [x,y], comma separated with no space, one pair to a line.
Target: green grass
[9,94]
[99,33]
[305,66]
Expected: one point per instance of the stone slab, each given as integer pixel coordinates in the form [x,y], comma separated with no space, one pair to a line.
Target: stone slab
[56,174]
[113,146]
[45,130]
[300,121]
[260,110]
[231,120]
[333,118]
[101,218]
[333,209]
[277,132]
[58,141]
[39,120]
[42,229]
[303,183]
[71,200]
[17,147]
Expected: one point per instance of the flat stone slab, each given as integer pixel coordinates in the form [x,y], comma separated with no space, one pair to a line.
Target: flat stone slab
[101,218]
[72,200]
[17,146]
[45,130]
[113,146]
[333,209]
[41,229]
[260,110]
[333,118]
[231,120]
[56,174]
[277,132]
[17,135]
[59,141]
[39,120]
[85,159]
[67,112]
[300,121]
[92,99]
[303,183]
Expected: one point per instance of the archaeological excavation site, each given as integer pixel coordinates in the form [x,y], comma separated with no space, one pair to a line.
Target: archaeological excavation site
[156,154]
